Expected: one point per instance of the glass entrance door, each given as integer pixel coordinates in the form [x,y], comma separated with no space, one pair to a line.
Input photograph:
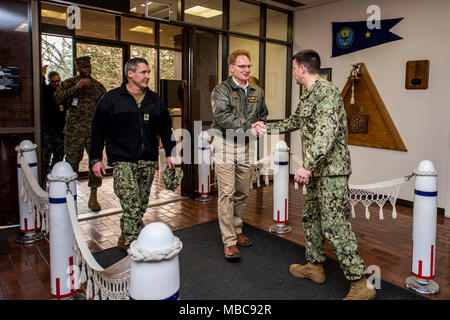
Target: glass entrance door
[106,61]
[107,67]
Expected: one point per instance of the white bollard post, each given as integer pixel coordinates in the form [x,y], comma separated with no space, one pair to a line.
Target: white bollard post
[30,221]
[155,269]
[204,163]
[424,230]
[281,189]
[64,275]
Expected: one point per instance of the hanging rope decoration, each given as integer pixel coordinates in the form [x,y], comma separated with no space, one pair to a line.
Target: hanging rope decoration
[354,76]
[379,193]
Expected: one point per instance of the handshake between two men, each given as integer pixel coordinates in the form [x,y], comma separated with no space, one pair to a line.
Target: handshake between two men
[302,175]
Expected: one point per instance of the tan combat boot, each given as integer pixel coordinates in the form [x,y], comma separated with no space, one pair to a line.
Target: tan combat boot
[361,290]
[93,203]
[315,272]
[121,242]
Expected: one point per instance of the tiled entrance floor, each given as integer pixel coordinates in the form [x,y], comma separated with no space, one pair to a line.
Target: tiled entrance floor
[25,273]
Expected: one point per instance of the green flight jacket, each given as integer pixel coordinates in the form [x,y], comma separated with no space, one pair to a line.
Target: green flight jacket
[79,117]
[321,118]
[233,109]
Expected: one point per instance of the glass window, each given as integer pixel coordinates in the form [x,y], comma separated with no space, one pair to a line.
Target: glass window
[275,82]
[206,76]
[97,25]
[137,31]
[57,55]
[276,27]
[170,64]
[170,36]
[53,14]
[205,13]
[150,55]
[251,46]
[161,9]
[244,17]
[106,61]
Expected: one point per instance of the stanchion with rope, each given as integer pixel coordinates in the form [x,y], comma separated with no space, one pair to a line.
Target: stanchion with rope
[281,189]
[424,230]
[64,271]
[155,269]
[204,163]
[29,216]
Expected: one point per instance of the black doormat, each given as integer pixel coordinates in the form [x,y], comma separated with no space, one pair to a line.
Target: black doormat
[108,257]
[262,272]
[4,235]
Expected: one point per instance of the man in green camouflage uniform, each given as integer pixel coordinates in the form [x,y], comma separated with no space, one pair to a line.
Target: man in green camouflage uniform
[321,118]
[80,94]
[129,119]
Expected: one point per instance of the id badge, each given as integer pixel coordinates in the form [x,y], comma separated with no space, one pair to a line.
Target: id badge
[146,117]
[75,102]
[61,108]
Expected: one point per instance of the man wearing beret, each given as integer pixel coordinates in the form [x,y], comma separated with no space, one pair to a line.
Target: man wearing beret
[81,94]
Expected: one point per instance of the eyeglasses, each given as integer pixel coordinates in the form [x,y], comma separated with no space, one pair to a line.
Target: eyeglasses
[55,81]
[243,66]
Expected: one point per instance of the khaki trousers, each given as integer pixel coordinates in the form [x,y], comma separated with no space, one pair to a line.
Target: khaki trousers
[234,173]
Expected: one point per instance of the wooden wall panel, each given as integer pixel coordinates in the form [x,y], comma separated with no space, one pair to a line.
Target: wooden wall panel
[16,107]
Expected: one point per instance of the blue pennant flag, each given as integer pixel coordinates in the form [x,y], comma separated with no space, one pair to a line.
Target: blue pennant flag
[354,36]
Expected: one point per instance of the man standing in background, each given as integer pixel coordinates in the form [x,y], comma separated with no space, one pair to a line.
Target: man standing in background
[81,94]
[54,121]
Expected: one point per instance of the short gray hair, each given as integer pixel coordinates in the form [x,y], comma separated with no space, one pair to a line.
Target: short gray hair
[132,64]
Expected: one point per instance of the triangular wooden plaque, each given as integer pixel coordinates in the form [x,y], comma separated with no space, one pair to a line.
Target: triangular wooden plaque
[369,122]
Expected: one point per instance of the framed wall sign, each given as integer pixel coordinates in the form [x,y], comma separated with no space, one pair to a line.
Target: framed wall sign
[324,73]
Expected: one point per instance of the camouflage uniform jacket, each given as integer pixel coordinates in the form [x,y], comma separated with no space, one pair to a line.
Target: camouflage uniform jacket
[233,109]
[79,118]
[321,118]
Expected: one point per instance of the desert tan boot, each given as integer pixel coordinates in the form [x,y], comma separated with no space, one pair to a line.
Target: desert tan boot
[314,272]
[361,290]
[121,242]
[93,203]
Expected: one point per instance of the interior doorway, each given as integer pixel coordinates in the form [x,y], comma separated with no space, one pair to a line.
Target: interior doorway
[107,67]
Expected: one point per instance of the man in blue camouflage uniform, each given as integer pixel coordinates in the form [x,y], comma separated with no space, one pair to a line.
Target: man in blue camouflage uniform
[321,118]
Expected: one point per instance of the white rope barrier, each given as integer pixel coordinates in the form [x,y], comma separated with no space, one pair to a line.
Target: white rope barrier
[144,255]
[111,283]
[380,192]
[33,195]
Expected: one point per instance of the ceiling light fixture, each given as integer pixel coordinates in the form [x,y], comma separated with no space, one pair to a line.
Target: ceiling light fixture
[53,14]
[203,12]
[142,29]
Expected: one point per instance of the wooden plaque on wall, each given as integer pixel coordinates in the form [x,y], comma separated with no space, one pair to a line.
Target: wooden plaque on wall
[369,122]
[417,74]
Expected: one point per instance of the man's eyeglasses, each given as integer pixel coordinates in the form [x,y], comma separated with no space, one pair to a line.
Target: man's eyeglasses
[243,66]
[55,81]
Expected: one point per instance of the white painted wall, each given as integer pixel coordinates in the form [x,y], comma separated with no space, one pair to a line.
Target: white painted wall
[421,116]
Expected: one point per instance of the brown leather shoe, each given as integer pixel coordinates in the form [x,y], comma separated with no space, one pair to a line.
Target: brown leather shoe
[243,240]
[231,252]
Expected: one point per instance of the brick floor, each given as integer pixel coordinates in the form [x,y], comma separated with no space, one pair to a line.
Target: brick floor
[25,273]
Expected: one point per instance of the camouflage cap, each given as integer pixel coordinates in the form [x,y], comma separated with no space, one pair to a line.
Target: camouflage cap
[82,62]
[172,178]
